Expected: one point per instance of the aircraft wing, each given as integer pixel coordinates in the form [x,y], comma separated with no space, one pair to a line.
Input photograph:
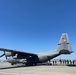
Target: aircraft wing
[19,52]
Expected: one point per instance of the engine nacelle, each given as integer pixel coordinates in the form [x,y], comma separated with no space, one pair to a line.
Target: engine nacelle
[8,54]
[15,61]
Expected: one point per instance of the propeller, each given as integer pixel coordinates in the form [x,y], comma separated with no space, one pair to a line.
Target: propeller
[3,55]
[6,57]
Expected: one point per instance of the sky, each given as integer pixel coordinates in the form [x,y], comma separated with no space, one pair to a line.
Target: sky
[36,26]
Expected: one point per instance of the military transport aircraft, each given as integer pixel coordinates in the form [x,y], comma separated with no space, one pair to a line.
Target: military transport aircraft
[14,56]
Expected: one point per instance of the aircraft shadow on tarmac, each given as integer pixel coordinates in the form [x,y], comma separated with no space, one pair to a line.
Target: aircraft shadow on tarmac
[11,67]
[20,66]
[14,67]
[71,65]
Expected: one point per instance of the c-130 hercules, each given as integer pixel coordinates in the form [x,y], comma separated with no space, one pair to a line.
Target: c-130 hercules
[14,56]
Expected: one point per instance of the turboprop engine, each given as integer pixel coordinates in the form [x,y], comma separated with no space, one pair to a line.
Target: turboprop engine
[15,61]
[8,54]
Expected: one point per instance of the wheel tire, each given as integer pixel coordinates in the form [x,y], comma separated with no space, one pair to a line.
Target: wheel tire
[12,64]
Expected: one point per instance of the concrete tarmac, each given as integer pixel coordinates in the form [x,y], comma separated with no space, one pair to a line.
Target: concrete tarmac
[7,69]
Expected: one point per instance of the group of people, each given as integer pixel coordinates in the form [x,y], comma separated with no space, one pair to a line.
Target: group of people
[63,62]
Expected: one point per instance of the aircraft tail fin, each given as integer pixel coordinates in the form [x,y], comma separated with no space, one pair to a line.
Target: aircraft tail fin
[64,46]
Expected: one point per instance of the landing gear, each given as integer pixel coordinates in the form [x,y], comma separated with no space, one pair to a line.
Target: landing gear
[31,64]
[35,64]
[12,63]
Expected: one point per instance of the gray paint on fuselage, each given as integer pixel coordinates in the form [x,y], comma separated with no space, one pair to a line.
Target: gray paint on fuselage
[43,57]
